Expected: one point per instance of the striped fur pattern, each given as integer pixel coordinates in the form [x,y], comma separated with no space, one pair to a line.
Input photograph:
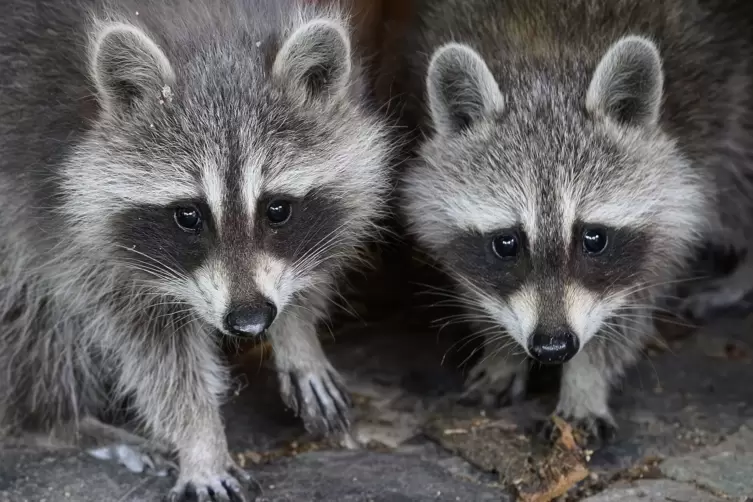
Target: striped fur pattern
[165,163]
[574,157]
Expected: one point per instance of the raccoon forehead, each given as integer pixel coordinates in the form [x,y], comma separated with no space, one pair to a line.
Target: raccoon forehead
[673,208]
[347,176]
[351,164]
[651,184]
[439,204]
[665,202]
[121,179]
[440,208]
[285,151]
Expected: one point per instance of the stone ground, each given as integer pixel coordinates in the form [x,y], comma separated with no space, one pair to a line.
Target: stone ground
[686,417]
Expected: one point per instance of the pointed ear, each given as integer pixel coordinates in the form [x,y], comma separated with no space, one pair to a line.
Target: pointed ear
[315,61]
[627,84]
[460,89]
[126,66]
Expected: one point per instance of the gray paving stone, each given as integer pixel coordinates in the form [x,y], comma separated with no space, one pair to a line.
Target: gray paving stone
[368,476]
[726,468]
[347,476]
[727,473]
[655,490]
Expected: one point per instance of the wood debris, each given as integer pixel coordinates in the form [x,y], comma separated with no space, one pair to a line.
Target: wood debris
[559,471]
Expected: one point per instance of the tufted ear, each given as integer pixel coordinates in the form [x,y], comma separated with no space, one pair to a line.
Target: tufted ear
[315,61]
[460,88]
[627,83]
[127,66]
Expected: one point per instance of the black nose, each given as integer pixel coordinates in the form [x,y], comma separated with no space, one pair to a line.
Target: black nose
[555,347]
[250,321]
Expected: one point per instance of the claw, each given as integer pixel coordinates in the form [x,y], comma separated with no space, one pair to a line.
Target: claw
[214,488]
[245,476]
[342,412]
[342,391]
[234,491]
[203,495]
[600,430]
[323,408]
[319,398]
[298,402]
[603,432]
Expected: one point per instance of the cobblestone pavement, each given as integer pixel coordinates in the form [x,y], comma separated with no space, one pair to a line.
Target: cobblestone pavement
[685,414]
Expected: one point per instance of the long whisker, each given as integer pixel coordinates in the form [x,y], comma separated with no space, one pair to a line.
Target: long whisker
[172,271]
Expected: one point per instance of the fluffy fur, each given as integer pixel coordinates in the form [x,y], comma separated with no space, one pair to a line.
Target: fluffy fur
[116,118]
[550,124]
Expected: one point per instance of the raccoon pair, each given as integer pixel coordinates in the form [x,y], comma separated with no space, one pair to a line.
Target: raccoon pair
[177,169]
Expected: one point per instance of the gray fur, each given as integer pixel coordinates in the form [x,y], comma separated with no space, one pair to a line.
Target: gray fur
[111,115]
[460,88]
[627,83]
[634,116]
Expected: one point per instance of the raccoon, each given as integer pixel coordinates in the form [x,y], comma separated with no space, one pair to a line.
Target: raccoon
[575,157]
[174,172]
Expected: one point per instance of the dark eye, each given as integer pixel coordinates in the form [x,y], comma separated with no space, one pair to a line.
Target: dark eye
[278,212]
[594,240]
[188,219]
[505,245]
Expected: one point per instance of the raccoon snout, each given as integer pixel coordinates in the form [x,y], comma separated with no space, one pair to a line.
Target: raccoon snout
[556,347]
[245,320]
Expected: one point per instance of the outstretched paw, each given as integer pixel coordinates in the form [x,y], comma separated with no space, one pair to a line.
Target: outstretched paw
[495,385]
[136,459]
[228,486]
[319,397]
[598,431]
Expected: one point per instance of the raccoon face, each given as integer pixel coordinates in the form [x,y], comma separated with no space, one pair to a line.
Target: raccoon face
[234,178]
[558,205]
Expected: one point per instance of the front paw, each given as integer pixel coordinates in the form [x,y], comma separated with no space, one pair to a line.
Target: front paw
[228,485]
[495,385]
[599,431]
[319,397]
